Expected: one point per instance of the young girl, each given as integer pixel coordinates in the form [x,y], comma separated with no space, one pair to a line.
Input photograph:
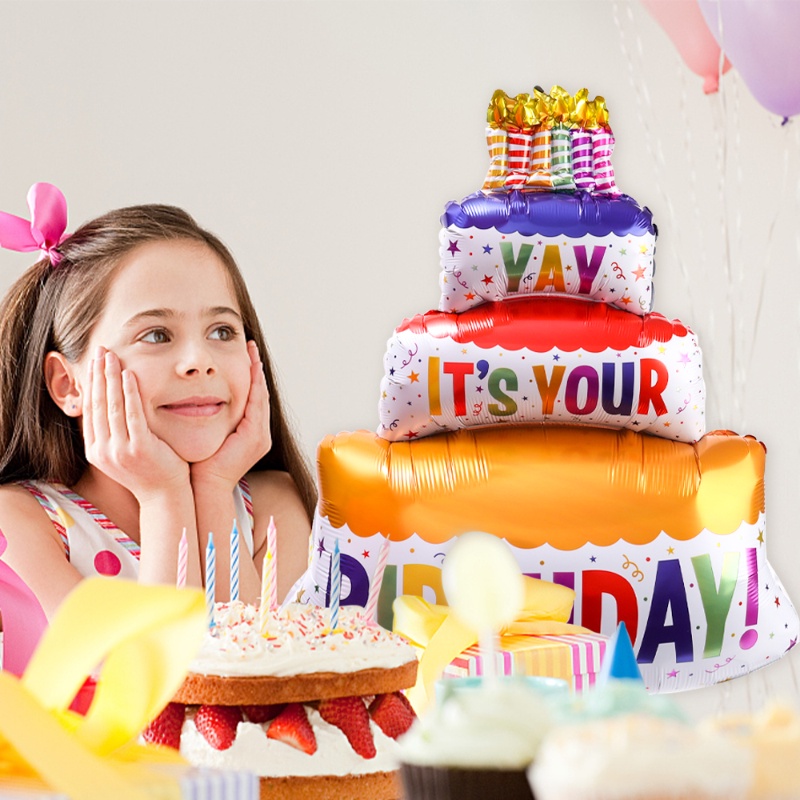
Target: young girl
[137,400]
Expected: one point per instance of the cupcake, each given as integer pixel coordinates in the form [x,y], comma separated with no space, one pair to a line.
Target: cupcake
[639,757]
[618,742]
[476,742]
[773,739]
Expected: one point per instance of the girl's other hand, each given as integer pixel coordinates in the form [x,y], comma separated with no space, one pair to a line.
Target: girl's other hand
[117,438]
[251,440]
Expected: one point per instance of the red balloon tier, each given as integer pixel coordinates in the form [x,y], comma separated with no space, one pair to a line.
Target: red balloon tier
[545,402]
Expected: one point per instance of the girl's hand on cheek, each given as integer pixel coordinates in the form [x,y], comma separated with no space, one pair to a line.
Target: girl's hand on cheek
[251,440]
[116,436]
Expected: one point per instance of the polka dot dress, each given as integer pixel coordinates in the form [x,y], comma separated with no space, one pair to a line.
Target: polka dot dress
[96,546]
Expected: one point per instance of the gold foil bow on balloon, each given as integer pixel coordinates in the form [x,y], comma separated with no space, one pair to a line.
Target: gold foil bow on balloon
[562,105]
[545,611]
[585,115]
[544,108]
[601,113]
[142,638]
[522,114]
[498,109]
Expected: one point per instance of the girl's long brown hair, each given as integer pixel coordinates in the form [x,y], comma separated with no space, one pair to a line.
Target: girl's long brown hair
[56,308]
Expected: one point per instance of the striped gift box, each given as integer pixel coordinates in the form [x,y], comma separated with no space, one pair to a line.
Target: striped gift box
[575,658]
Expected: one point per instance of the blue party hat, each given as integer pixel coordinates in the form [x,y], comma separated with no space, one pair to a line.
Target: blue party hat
[619,662]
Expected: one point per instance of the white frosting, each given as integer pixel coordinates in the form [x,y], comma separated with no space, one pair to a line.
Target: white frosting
[635,756]
[773,737]
[299,642]
[252,751]
[498,725]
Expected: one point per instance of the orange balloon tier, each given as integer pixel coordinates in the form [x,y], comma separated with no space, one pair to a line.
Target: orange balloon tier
[562,485]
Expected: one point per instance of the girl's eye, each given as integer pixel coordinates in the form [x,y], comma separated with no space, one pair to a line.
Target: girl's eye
[224,333]
[156,336]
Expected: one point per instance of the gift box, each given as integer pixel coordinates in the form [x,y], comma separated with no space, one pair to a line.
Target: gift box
[194,784]
[574,658]
[540,641]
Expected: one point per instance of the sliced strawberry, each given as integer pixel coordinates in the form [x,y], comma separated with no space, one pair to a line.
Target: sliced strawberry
[259,714]
[350,715]
[392,713]
[165,729]
[292,727]
[217,724]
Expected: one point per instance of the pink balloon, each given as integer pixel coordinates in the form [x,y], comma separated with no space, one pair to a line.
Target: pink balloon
[23,619]
[761,38]
[684,24]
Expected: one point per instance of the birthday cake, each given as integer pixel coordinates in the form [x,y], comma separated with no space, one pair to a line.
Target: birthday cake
[314,712]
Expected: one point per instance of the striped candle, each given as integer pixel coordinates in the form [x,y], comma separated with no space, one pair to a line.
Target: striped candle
[267,579]
[234,562]
[336,586]
[272,547]
[183,559]
[211,578]
[371,612]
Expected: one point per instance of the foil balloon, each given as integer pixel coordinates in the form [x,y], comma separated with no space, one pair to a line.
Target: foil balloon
[502,245]
[534,359]
[760,37]
[23,619]
[667,537]
[683,22]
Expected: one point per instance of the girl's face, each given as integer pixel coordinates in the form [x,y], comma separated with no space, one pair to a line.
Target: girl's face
[172,319]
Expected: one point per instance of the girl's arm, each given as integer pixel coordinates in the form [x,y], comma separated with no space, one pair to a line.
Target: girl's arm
[34,550]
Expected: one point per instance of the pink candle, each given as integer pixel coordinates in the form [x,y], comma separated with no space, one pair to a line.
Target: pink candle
[183,557]
[272,550]
[371,612]
[267,579]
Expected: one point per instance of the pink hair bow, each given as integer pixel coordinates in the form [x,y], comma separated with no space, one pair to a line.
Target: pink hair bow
[45,230]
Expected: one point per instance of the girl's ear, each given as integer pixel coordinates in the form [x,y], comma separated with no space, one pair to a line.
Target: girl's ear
[59,375]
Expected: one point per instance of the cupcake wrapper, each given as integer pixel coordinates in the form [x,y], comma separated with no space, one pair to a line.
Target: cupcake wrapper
[452,783]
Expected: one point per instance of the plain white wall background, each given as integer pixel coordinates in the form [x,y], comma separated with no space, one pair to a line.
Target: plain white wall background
[321,141]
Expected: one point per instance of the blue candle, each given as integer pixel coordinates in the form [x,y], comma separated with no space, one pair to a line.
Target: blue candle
[211,578]
[336,586]
[234,563]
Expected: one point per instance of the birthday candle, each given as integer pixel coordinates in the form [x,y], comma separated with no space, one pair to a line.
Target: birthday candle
[211,578]
[234,563]
[272,547]
[267,579]
[336,586]
[183,557]
[377,580]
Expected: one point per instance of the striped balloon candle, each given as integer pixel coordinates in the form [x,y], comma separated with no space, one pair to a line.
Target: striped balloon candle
[371,611]
[336,586]
[234,562]
[211,578]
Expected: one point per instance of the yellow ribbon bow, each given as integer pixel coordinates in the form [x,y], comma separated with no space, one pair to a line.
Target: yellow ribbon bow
[545,610]
[145,638]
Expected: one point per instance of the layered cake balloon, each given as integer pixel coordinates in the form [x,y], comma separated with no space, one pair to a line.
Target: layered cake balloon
[546,402]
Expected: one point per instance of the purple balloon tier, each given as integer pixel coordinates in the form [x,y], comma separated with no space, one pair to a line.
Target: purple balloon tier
[550,214]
